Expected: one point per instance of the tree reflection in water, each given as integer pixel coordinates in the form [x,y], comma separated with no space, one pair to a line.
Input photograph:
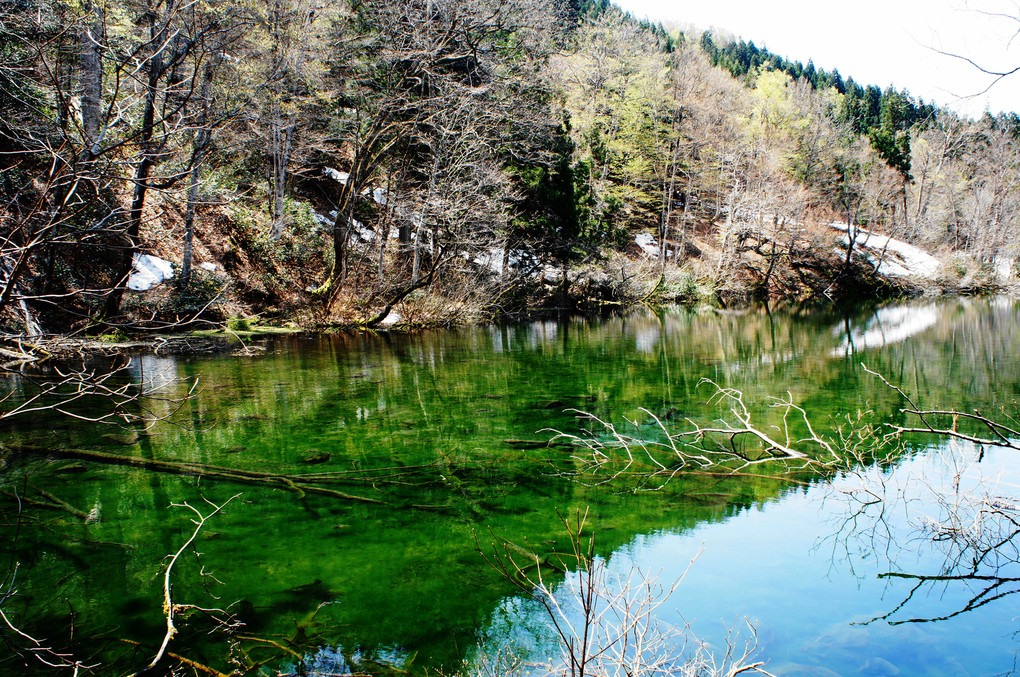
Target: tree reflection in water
[965,515]
[967,521]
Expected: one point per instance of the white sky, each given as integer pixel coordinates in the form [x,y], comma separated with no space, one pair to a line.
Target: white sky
[879,42]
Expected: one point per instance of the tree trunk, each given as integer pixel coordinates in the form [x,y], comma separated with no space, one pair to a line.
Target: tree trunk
[420,226]
[416,263]
[10,274]
[283,139]
[852,231]
[202,139]
[367,158]
[141,179]
[387,221]
[92,76]
[342,227]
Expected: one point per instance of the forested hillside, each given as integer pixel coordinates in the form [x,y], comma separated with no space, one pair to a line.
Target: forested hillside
[432,161]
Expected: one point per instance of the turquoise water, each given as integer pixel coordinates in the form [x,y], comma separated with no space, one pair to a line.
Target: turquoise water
[804,578]
[444,434]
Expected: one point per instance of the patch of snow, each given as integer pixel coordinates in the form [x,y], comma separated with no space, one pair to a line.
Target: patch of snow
[324,221]
[647,244]
[148,272]
[391,319]
[207,266]
[1005,268]
[493,259]
[886,326]
[550,273]
[336,175]
[891,256]
[361,232]
[378,194]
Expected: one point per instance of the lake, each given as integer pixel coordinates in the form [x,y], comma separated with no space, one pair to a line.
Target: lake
[370,473]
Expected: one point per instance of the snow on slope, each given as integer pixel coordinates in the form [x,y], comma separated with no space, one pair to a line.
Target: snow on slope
[893,257]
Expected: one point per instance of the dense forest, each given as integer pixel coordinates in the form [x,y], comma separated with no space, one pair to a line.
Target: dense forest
[365,161]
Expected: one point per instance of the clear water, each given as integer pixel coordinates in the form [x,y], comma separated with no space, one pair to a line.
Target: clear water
[436,427]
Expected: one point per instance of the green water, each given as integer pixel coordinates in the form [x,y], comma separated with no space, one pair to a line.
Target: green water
[434,429]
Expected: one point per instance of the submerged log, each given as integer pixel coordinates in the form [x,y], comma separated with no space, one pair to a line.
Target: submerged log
[299,484]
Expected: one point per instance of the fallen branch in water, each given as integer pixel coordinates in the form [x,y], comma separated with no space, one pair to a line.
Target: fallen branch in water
[1003,435]
[300,484]
[734,444]
[190,663]
[730,446]
[65,385]
[169,608]
[51,502]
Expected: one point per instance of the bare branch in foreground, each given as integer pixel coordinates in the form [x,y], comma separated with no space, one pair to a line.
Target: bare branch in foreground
[170,609]
[606,623]
[45,654]
[80,381]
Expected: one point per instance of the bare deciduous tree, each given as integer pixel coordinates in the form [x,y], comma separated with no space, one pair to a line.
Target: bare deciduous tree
[450,100]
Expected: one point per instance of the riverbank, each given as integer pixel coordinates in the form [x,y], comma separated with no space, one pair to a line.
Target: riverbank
[732,268]
[217,310]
